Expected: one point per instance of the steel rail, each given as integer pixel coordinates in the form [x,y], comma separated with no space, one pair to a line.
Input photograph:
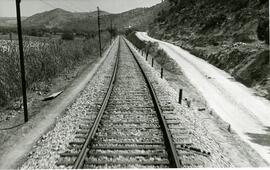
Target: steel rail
[83,153]
[170,147]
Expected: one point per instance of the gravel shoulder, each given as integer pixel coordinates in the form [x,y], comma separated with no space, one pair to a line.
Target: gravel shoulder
[235,103]
[209,131]
[45,153]
[13,151]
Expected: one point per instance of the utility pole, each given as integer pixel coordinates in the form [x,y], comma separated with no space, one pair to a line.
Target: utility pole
[19,26]
[99,33]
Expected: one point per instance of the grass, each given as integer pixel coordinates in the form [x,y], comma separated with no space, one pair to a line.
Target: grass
[136,41]
[44,60]
[159,55]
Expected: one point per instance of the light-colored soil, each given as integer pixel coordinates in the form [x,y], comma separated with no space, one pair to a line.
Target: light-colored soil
[208,128]
[20,140]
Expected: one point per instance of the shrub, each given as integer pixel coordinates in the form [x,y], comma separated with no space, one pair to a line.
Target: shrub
[44,60]
[136,41]
[243,37]
[165,61]
[182,3]
[160,55]
[214,21]
[263,1]
[67,36]
[239,4]
[263,30]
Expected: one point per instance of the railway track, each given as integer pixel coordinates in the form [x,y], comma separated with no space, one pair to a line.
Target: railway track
[129,129]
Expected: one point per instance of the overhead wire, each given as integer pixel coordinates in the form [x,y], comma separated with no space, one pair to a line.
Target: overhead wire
[69,5]
[58,6]
[50,5]
[75,5]
[66,6]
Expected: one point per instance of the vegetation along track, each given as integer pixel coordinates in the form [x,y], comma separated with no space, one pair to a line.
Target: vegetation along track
[129,129]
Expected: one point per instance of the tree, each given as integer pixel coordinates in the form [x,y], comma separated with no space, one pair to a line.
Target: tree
[67,36]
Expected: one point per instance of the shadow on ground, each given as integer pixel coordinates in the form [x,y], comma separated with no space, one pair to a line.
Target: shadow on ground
[261,139]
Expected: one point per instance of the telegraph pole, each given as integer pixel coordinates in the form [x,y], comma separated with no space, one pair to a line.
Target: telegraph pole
[99,33]
[19,27]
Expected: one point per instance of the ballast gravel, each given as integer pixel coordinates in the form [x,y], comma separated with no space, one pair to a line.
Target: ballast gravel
[196,131]
[45,153]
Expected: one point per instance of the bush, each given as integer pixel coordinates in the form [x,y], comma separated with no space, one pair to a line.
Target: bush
[67,36]
[179,4]
[44,60]
[263,30]
[136,41]
[243,37]
[160,55]
[263,1]
[165,61]
[214,21]
[239,4]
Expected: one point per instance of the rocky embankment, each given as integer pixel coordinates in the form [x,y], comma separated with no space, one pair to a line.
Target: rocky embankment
[232,35]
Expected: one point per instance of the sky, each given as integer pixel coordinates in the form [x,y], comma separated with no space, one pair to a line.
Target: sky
[30,7]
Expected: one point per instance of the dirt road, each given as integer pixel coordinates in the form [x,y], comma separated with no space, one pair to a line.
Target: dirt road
[249,115]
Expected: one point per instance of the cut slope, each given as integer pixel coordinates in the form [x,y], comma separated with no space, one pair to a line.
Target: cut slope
[236,104]
[232,35]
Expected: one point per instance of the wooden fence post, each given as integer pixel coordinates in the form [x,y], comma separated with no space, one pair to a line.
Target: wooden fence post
[180,96]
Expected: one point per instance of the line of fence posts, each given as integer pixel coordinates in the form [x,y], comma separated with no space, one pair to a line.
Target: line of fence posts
[147,51]
[146,57]
[180,96]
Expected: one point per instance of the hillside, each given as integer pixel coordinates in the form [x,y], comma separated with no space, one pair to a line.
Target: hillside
[232,35]
[140,17]
[9,21]
[58,18]
[61,19]
[133,18]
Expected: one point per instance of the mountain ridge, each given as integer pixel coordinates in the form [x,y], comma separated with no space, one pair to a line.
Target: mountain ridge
[9,21]
[57,18]
[86,21]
